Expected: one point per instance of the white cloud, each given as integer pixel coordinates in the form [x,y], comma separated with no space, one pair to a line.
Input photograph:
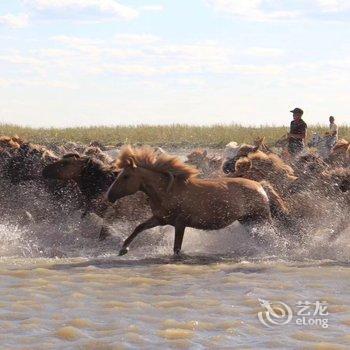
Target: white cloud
[98,48]
[19,59]
[152,8]
[15,21]
[83,45]
[266,10]
[136,39]
[32,82]
[333,5]
[265,52]
[104,7]
[137,55]
[250,9]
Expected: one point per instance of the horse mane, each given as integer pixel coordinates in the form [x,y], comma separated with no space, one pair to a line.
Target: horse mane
[277,162]
[92,161]
[245,149]
[97,177]
[99,165]
[30,149]
[96,152]
[146,157]
[12,142]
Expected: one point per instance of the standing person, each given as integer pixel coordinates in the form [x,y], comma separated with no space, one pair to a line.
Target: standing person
[297,133]
[332,135]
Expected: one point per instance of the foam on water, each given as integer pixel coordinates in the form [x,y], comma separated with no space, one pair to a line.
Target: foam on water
[73,237]
[209,298]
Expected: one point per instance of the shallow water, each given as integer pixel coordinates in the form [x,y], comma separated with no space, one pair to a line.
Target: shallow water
[62,289]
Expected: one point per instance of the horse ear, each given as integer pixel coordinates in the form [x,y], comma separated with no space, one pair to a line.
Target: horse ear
[131,162]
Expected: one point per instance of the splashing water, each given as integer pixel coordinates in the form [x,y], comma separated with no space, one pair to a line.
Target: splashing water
[74,237]
[61,288]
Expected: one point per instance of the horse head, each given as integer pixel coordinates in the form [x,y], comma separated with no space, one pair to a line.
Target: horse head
[242,151]
[128,181]
[69,167]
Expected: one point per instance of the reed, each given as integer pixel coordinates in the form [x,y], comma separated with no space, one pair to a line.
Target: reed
[176,135]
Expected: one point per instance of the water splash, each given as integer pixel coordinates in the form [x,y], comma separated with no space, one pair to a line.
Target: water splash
[72,237]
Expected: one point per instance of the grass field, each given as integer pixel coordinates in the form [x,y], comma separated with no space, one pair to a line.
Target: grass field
[157,135]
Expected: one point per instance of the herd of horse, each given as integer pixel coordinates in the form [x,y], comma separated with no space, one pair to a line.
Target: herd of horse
[253,184]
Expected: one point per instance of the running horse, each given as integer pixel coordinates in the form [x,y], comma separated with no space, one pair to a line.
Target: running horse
[180,199]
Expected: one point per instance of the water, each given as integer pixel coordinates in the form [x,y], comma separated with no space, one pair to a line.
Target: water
[62,289]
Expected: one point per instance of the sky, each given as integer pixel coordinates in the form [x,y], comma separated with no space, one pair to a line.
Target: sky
[107,62]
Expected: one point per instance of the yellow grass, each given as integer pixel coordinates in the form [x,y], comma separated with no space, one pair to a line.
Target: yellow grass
[157,135]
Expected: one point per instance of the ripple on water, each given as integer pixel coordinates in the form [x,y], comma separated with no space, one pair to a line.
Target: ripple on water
[100,345]
[176,333]
[151,306]
[69,333]
[326,346]
[189,325]
[81,323]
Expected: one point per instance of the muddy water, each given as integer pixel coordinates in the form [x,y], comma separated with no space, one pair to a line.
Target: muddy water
[63,290]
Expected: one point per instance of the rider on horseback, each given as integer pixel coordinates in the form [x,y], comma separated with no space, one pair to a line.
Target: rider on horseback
[297,134]
[332,135]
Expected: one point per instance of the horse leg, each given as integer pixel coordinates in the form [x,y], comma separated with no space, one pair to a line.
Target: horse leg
[107,214]
[150,223]
[104,233]
[179,235]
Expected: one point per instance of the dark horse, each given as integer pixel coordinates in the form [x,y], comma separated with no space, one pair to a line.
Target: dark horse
[179,198]
[92,177]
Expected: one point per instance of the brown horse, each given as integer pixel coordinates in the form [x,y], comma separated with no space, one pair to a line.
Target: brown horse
[260,142]
[22,185]
[259,166]
[180,199]
[340,154]
[207,165]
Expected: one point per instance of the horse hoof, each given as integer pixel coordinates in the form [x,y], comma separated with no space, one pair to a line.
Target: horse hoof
[123,251]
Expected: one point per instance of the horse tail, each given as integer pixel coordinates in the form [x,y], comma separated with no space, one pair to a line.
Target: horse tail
[278,207]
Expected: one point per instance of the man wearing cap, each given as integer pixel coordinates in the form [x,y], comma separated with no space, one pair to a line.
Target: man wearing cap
[297,134]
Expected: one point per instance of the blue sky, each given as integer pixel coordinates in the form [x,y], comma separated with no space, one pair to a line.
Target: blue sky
[88,62]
